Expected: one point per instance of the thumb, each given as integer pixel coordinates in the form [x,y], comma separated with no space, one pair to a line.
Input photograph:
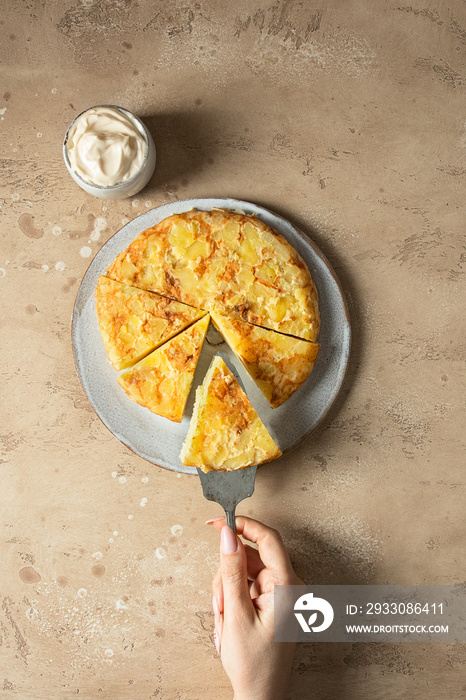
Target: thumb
[234,574]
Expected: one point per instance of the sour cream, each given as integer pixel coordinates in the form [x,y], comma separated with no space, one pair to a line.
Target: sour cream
[105,147]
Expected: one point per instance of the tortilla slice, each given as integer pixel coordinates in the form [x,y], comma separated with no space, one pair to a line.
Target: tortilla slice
[225,432]
[133,322]
[279,364]
[161,381]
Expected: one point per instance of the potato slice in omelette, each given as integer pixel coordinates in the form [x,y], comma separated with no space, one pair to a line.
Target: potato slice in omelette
[133,321]
[225,432]
[279,364]
[161,381]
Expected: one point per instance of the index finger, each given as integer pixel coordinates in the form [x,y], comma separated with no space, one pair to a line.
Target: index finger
[271,548]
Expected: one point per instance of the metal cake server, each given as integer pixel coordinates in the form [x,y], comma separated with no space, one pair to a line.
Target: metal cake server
[228,488]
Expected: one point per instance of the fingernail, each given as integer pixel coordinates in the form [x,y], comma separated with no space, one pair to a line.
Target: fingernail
[217,646]
[215,607]
[229,541]
[209,522]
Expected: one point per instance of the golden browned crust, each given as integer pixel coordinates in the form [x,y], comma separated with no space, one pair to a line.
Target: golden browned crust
[161,381]
[133,321]
[225,431]
[279,364]
[232,263]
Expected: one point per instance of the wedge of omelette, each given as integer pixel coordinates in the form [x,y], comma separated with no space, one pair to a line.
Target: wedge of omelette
[279,364]
[228,262]
[225,432]
[161,381]
[133,321]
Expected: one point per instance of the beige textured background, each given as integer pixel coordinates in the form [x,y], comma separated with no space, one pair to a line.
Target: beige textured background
[346,116]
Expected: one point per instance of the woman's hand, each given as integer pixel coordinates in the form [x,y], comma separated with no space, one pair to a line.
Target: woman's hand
[257,667]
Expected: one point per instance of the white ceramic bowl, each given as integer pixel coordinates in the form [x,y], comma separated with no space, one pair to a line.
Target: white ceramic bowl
[121,190]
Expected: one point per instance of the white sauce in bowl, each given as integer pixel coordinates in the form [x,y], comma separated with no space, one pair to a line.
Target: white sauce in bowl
[105,147]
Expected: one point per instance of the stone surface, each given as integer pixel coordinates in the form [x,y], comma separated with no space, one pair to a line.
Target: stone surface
[347,118]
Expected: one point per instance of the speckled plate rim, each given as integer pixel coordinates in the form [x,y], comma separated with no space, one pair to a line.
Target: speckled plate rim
[120,240]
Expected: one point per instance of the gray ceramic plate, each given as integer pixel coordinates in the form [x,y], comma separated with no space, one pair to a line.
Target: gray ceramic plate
[157,439]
